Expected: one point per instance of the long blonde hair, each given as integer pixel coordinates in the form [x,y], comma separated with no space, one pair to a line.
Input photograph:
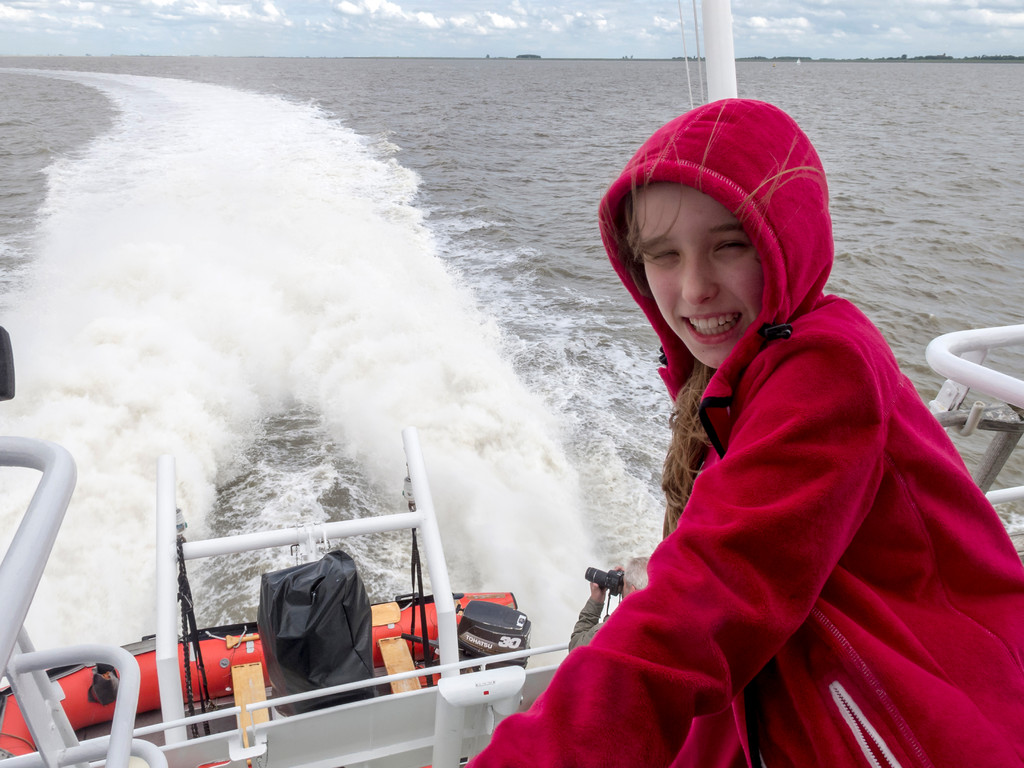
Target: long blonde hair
[687,448]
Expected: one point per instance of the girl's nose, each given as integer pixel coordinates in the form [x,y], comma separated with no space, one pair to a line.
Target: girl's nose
[698,282]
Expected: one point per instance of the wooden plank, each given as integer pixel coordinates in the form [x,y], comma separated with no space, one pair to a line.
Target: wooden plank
[383,614]
[397,658]
[248,687]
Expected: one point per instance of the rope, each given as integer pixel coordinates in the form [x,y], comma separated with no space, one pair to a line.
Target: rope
[417,589]
[696,37]
[190,635]
[686,56]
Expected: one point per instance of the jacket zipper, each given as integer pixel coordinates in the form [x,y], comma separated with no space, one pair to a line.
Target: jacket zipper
[871,743]
[910,741]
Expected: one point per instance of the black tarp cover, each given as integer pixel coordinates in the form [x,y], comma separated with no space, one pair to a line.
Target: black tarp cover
[316,630]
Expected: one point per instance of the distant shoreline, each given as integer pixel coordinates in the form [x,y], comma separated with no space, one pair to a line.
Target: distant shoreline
[939,58]
[926,59]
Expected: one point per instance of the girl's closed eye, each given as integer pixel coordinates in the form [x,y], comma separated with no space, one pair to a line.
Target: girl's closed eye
[659,256]
[733,247]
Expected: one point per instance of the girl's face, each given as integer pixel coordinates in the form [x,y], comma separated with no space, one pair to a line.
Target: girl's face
[703,270]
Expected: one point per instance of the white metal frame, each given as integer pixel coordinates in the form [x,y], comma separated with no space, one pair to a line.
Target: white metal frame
[457,691]
[438,724]
[960,356]
[719,49]
[25,668]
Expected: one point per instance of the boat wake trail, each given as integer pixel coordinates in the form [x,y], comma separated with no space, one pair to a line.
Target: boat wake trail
[220,264]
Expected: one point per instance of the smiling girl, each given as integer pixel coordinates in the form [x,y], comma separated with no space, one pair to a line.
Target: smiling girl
[830,572]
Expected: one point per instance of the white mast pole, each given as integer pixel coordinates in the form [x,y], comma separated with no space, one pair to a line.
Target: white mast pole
[718,48]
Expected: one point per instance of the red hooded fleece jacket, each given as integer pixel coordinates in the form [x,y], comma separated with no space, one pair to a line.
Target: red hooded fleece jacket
[836,560]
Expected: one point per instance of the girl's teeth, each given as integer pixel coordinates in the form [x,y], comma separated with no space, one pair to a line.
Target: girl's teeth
[709,325]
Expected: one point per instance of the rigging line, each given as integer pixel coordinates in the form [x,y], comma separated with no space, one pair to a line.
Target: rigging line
[696,36]
[686,57]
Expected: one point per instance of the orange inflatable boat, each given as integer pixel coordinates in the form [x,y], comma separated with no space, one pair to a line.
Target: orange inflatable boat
[88,691]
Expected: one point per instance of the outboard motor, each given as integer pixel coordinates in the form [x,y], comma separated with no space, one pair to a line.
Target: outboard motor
[316,630]
[486,629]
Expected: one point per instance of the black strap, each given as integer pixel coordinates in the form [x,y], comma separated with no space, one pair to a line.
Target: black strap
[190,636]
[750,715]
[418,596]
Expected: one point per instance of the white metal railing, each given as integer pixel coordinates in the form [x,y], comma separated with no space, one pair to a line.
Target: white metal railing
[39,699]
[22,566]
[492,688]
[448,716]
[960,356]
[486,663]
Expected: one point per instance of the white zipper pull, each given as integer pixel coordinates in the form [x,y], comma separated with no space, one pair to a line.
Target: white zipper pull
[871,743]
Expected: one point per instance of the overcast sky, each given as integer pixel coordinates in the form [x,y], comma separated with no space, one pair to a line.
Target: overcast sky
[477,28]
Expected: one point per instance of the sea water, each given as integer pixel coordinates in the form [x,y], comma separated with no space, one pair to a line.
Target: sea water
[268,268]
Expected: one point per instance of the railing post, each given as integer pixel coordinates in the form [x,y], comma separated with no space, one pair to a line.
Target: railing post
[448,719]
[447,633]
[719,50]
[168,668]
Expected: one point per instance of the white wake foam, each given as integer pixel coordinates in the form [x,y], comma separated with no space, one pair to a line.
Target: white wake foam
[218,257]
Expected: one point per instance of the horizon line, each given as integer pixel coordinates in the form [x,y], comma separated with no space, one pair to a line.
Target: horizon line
[533,57]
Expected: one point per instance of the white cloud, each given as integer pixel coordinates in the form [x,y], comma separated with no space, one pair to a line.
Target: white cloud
[552,28]
[216,10]
[429,20]
[990,18]
[384,8]
[668,24]
[85,22]
[778,25]
[501,22]
[8,13]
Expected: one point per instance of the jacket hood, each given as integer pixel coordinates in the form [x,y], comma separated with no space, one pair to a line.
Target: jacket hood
[754,160]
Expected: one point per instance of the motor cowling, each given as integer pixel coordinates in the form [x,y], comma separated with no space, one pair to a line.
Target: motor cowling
[487,629]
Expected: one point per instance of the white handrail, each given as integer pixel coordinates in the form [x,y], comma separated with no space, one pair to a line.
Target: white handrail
[960,357]
[119,747]
[437,566]
[25,667]
[172,703]
[22,566]
[945,355]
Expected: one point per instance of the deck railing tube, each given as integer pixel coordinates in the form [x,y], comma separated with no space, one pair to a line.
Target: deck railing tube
[447,632]
[946,355]
[168,668]
[448,719]
[22,566]
[719,49]
[122,722]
